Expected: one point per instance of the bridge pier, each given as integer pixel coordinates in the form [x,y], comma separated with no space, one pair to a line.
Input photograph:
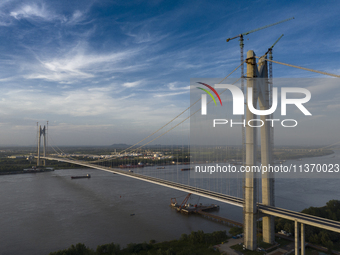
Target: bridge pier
[297,241]
[297,238]
[303,239]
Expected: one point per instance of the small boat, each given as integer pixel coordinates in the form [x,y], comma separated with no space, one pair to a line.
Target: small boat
[161,167]
[132,214]
[130,171]
[80,177]
[186,169]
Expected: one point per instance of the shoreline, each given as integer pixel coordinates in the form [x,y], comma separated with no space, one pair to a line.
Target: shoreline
[287,157]
[27,172]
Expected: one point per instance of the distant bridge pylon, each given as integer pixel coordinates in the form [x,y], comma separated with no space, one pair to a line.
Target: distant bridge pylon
[41,132]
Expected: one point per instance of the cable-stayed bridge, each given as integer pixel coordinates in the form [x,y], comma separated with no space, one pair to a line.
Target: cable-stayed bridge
[253,209]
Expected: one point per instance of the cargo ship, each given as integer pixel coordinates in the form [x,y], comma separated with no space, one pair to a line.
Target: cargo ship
[80,177]
[187,169]
[131,166]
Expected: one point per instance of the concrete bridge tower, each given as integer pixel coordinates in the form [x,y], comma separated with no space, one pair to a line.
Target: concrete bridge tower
[257,81]
[41,132]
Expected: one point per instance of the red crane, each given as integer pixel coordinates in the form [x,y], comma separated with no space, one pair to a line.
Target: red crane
[185,200]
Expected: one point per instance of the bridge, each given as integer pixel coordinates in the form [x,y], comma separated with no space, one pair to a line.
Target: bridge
[266,210]
[252,209]
[299,218]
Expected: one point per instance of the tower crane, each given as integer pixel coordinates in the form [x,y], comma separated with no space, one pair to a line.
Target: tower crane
[242,67]
[270,81]
[270,51]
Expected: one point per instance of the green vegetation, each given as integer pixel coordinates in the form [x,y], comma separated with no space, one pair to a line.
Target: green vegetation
[195,243]
[288,153]
[14,165]
[315,235]
[10,165]
[235,231]
[224,153]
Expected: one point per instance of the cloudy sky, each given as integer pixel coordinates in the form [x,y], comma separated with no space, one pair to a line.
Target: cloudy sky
[104,72]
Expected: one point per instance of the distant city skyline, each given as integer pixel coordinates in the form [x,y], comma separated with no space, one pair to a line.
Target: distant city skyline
[105,72]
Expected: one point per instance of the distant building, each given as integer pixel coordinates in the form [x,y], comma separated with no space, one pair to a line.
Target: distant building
[17,156]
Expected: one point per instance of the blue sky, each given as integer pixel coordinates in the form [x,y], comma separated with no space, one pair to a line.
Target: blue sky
[104,72]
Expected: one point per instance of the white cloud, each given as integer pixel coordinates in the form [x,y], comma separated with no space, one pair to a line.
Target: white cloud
[77,17]
[132,84]
[34,11]
[170,94]
[5,24]
[333,106]
[172,86]
[6,79]
[84,103]
[145,31]
[322,86]
[77,64]
[59,76]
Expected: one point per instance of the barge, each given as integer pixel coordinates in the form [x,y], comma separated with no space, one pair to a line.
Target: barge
[81,177]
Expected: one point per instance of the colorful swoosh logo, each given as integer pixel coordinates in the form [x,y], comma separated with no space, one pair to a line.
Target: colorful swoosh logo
[208,92]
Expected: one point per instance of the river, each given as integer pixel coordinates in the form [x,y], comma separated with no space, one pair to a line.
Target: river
[49,211]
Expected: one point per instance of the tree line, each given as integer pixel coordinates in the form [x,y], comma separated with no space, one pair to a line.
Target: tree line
[315,235]
[199,243]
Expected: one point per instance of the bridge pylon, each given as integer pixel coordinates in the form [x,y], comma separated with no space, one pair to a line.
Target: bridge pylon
[41,132]
[260,92]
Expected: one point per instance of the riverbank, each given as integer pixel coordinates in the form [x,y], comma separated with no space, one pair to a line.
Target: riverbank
[29,171]
[16,166]
[291,153]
